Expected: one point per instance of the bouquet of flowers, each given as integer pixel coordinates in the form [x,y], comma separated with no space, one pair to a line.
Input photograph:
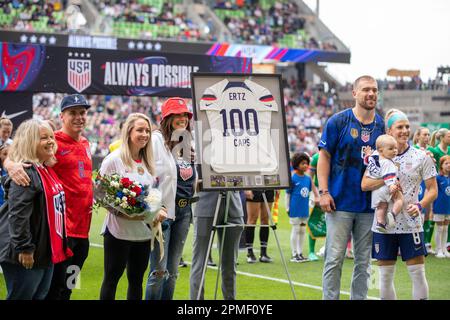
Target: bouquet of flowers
[130,198]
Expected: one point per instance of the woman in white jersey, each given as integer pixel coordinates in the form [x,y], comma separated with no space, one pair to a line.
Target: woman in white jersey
[414,166]
[127,240]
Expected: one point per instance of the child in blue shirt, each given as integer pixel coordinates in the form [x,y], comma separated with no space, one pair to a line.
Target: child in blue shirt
[441,207]
[297,203]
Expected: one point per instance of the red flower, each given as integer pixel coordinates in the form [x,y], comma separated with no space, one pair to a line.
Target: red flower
[126,182]
[131,201]
[137,190]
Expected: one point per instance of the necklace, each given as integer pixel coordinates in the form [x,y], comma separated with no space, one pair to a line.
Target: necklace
[367,130]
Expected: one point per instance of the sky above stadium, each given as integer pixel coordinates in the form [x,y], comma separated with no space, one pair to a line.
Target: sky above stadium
[384,34]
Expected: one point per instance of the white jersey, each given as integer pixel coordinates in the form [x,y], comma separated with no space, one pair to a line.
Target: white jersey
[414,166]
[239,115]
[382,168]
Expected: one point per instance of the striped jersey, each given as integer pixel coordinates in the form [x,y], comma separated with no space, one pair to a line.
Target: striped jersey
[239,115]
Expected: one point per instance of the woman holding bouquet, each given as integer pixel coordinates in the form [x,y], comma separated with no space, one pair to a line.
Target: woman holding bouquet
[32,223]
[174,166]
[127,239]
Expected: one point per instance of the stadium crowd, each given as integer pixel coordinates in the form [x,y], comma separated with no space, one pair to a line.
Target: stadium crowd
[33,15]
[250,22]
[151,19]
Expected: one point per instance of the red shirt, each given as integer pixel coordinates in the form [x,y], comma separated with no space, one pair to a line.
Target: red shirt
[74,169]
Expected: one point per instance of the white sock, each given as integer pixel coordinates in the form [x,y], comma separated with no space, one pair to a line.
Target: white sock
[438,238]
[419,281]
[387,289]
[301,239]
[444,237]
[295,238]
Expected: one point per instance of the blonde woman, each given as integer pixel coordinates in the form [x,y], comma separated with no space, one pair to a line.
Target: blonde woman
[127,240]
[440,142]
[421,138]
[414,167]
[32,225]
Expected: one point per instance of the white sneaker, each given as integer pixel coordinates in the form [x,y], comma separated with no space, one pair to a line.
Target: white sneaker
[440,255]
[429,249]
[321,252]
[390,220]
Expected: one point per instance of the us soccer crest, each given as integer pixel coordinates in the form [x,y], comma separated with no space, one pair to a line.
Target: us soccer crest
[354,133]
[185,170]
[365,136]
[78,72]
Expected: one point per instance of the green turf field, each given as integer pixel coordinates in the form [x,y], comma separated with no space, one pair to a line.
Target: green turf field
[260,281]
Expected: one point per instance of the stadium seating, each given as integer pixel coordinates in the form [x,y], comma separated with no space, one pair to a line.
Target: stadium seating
[46,16]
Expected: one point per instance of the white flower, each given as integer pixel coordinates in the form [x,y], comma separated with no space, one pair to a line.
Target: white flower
[124,199]
[115,184]
[132,194]
[126,191]
[124,205]
[154,199]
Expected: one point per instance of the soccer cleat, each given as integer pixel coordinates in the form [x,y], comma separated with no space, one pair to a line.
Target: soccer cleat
[295,258]
[265,258]
[440,255]
[321,252]
[312,257]
[182,264]
[381,228]
[251,258]
[429,249]
[211,263]
[301,258]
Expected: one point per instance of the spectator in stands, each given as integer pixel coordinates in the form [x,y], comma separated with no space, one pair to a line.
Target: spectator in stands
[6,128]
[74,169]
[347,208]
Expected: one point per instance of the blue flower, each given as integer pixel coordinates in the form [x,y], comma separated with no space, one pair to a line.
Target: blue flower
[119,194]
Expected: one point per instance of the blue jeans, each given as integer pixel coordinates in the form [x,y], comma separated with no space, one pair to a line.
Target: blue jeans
[163,274]
[26,284]
[340,226]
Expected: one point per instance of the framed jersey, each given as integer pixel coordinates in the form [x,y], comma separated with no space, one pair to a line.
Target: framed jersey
[240,129]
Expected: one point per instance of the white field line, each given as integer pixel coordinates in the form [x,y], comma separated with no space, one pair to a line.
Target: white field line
[295,283]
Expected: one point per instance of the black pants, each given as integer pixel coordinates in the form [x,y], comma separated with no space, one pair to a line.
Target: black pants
[65,273]
[121,254]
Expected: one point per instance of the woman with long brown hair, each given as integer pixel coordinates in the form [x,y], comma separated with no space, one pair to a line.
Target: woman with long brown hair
[174,164]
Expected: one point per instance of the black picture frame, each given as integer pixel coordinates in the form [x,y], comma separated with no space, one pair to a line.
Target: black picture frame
[241,180]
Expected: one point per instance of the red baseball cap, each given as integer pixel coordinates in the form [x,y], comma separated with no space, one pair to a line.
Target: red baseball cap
[175,105]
